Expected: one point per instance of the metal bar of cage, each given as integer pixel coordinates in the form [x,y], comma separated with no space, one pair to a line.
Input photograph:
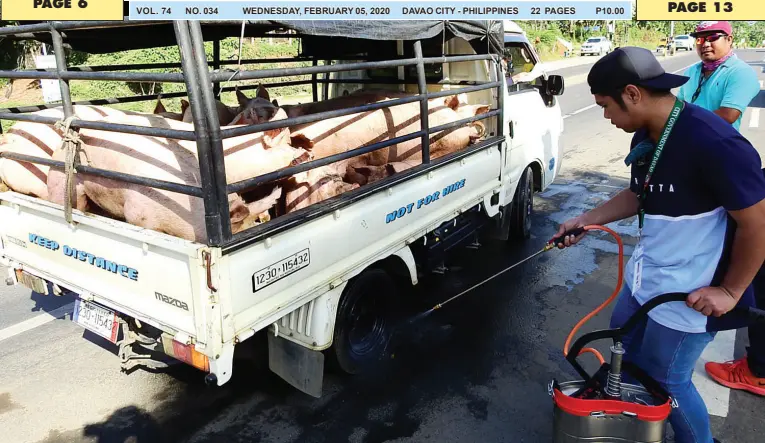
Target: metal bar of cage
[114,175]
[218,182]
[71,24]
[147,97]
[423,90]
[310,118]
[103,126]
[250,61]
[208,134]
[285,72]
[250,183]
[216,66]
[213,221]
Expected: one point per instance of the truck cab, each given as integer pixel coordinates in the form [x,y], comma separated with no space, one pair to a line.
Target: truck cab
[534,124]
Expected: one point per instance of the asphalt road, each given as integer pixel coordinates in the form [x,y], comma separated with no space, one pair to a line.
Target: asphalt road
[476,370]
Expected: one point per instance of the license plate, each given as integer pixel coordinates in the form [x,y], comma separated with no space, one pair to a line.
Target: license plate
[33,282]
[96,318]
[278,271]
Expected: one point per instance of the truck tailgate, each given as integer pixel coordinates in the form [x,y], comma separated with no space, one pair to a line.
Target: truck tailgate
[144,274]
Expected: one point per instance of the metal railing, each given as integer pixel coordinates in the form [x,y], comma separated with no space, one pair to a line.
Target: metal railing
[207,132]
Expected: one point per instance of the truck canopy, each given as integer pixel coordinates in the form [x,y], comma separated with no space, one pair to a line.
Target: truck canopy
[105,37]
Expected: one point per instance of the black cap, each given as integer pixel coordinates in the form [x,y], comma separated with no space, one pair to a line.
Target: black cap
[630,66]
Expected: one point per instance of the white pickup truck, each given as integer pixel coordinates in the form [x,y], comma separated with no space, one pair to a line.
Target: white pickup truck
[322,281]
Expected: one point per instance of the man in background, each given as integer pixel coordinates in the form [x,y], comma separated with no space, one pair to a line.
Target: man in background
[725,85]
[721,82]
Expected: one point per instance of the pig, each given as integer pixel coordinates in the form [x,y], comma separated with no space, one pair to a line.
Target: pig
[175,161]
[340,134]
[225,113]
[356,98]
[313,186]
[256,110]
[363,175]
[40,140]
[159,109]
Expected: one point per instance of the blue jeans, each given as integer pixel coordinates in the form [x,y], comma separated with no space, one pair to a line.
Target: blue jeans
[669,357]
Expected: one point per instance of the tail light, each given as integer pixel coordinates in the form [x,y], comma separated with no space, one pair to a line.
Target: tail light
[185,353]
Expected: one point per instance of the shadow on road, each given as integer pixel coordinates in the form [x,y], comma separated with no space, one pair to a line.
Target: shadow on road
[126,425]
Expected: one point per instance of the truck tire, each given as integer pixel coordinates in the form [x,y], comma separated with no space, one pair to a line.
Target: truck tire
[364,322]
[523,205]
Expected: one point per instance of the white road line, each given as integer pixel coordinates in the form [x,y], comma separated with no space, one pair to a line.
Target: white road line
[580,110]
[754,118]
[715,395]
[762,84]
[593,105]
[683,69]
[34,322]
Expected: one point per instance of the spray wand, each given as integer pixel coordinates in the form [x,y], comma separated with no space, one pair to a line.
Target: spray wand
[551,244]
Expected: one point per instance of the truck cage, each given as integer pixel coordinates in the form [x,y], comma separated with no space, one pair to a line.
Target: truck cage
[207,132]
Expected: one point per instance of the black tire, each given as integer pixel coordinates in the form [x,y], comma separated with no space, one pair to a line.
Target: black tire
[365,322]
[523,206]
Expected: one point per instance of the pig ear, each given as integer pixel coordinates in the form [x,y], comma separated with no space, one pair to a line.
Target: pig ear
[241,98]
[301,141]
[271,141]
[363,170]
[159,108]
[184,106]
[275,137]
[237,120]
[275,103]
[483,109]
[238,211]
[452,101]
[262,93]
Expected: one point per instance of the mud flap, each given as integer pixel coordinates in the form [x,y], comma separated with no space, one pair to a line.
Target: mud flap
[499,229]
[301,367]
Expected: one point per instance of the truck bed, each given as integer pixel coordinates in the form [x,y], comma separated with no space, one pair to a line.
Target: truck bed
[216,297]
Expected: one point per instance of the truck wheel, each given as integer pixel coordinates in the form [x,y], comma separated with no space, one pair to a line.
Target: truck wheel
[364,323]
[523,204]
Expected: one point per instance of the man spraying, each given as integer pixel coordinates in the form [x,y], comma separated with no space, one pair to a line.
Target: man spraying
[693,177]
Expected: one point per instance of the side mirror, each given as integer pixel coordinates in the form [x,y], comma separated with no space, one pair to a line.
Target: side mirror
[554,85]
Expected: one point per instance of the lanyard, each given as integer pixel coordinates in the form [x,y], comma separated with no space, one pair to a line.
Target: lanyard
[702,79]
[678,106]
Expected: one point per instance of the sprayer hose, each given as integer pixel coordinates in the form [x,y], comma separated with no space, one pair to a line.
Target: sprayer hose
[620,280]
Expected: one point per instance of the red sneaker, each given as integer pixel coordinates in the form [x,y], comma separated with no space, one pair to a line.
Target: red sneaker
[736,375]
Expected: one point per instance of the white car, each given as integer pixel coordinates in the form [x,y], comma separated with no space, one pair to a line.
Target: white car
[684,42]
[596,45]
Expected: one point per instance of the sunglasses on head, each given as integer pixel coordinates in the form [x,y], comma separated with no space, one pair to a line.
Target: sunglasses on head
[709,38]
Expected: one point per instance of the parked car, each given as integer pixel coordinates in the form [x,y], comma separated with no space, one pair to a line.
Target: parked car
[684,42]
[596,45]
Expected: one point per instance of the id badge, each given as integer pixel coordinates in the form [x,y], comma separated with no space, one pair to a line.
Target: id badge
[637,273]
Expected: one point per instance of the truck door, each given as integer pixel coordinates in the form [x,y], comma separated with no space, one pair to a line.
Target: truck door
[532,119]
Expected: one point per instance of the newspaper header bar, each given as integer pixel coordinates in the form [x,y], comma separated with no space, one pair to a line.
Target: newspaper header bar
[380,10]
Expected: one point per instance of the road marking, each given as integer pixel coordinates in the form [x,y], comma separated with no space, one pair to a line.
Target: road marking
[594,104]
[580,110]
[715,395]
[762,84]
[754,119]
[683,69]
[34,322]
